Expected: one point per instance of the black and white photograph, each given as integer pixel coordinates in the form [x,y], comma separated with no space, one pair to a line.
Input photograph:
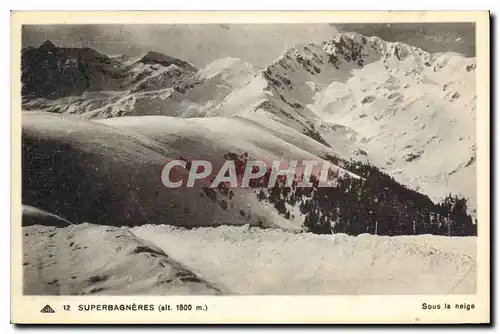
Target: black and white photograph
[249,159]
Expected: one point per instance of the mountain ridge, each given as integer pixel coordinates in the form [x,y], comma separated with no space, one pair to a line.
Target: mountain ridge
[56,72]
[329,91]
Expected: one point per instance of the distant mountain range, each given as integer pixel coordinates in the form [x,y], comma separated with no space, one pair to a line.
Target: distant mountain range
[390,104]
[52,72]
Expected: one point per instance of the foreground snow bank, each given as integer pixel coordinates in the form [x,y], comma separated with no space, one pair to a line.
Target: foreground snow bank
[96,259]
[167,260]
[256,261]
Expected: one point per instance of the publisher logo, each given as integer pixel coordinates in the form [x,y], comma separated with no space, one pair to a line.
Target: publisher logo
[47,309]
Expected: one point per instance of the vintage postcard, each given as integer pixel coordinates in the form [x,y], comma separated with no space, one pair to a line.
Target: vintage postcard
[250,167]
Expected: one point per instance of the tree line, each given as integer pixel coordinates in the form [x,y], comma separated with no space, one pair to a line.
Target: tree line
[373,203]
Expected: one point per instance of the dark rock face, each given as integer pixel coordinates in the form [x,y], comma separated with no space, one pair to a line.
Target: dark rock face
[35,216]
[52,72]
[159,58]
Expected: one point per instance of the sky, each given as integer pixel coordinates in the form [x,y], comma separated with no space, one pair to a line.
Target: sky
[258,44]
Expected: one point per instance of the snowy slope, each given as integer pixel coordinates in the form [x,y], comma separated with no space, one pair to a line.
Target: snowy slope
[163,260]
[415,121]
[92,259]
[110,175]
[405,110]
[255,261]
[285,87]
[112,168]
[206,139]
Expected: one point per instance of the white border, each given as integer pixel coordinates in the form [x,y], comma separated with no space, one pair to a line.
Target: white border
[187,4]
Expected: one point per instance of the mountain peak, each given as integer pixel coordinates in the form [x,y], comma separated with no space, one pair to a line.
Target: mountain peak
[47,45]
[153,57]
[226,67]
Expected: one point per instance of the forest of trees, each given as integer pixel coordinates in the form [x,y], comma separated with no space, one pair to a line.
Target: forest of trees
[375,203]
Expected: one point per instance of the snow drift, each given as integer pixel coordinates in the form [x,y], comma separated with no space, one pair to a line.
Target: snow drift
[92,259]
[255,261]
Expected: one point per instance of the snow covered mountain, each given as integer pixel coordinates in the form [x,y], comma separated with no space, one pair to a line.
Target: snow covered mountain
[390,104]
[84,81]
[154,84]
[395,122]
